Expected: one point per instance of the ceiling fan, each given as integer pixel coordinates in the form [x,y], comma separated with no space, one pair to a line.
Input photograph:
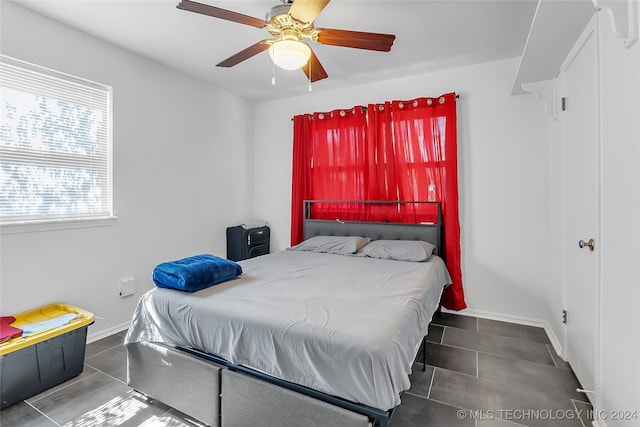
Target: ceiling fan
[289,23]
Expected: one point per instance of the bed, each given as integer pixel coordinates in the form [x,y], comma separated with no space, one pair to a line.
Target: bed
[301,338]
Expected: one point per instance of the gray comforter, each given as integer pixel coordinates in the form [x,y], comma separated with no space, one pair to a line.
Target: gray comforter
[344,325]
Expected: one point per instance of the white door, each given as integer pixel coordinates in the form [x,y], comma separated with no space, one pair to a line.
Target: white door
[580,88]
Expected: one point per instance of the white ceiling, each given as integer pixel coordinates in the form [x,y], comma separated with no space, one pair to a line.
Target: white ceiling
[430,35]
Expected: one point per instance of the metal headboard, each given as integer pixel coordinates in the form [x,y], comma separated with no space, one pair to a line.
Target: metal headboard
[428,232]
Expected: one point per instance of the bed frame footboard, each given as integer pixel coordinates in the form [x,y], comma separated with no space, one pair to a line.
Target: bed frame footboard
[248,401]
[175,378]
[226,395]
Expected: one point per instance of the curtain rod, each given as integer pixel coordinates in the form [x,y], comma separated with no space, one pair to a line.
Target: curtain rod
[365,108]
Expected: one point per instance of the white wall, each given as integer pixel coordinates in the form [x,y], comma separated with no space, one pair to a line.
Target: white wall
[619,376]
[618,363]
[504,168]
[182,173]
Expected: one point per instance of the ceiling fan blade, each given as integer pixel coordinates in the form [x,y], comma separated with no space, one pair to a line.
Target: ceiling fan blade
[317,71]
[216,12]
[356,39]
[243,55]
[306,11]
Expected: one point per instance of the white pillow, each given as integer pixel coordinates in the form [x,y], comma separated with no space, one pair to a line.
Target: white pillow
[401,250]
[339,245]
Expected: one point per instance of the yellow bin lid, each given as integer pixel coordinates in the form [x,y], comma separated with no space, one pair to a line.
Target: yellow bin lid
[40,315]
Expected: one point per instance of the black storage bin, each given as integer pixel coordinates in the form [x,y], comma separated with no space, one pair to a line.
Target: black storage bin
[245,243]
[30,365]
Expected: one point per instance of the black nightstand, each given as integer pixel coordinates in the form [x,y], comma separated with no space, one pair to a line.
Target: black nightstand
[247,243]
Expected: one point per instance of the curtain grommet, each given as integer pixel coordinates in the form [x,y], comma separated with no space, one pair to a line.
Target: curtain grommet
[429,101]
[441,100]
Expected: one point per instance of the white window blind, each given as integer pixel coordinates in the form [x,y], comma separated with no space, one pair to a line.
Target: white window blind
[55,145]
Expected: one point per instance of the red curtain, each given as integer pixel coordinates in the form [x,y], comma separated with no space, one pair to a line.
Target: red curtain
[418,141]
[300,188]
[395,151]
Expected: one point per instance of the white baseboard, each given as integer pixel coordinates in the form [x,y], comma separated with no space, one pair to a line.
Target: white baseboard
[528,321]
[555,342]
[107,332]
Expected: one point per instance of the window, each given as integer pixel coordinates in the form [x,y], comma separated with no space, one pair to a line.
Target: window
[55,146]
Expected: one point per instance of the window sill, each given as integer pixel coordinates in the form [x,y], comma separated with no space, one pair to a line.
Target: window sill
[52,225]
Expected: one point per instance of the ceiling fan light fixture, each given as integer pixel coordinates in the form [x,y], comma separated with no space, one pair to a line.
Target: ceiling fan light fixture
[290,54]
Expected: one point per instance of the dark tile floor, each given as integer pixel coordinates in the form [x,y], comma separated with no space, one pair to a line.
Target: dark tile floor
[486,373]
[479,373]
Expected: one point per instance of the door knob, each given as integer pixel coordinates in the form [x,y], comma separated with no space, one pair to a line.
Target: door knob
[591,244]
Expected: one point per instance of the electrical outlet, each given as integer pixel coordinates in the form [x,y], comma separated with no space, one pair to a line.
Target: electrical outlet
[127,286]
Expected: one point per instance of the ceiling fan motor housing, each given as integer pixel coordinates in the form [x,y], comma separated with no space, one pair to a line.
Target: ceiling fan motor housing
[283,26]
[278,13]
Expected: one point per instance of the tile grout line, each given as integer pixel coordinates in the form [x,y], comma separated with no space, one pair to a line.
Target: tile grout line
[415,395]
[496,334]
[109,375]
[503,355]
[573,402]
[496,381]
[42,413]
[51,390]
[433,375]
[519,338]
[489,353]
[467,409]
[100,352]
[553,359]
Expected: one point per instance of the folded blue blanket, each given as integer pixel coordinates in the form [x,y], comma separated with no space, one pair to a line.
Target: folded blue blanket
[194,273]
